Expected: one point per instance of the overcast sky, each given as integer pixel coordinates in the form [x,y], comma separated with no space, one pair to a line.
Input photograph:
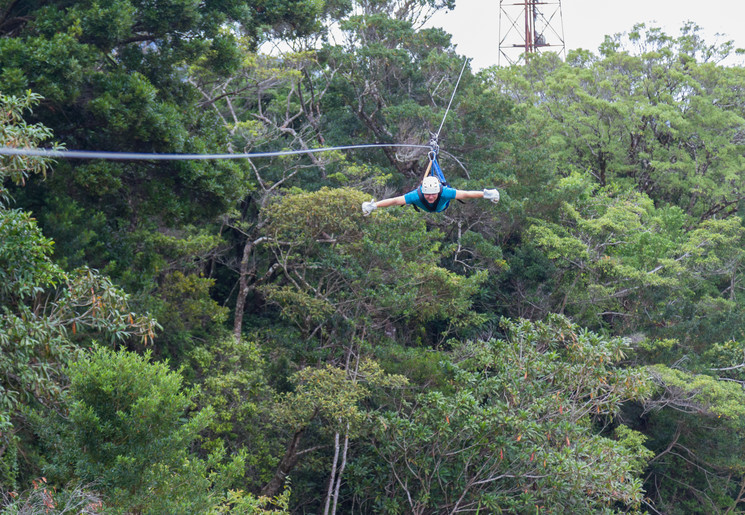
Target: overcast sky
[474,24]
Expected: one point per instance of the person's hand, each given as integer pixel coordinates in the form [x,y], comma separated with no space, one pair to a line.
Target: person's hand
[368,207]
[492,195]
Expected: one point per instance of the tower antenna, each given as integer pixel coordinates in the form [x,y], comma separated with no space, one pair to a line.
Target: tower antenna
[528,27]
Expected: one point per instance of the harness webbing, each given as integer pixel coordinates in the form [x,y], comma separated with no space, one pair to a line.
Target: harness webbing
[433,168]
[437,172]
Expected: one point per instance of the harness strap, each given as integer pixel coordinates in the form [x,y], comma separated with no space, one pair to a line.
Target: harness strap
[438,172]
[433,168]
[429,167]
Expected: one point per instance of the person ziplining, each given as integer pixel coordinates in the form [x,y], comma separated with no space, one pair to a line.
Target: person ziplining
[433,194]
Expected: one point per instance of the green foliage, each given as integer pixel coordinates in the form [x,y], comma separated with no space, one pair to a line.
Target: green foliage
[516,432]
[43,498]
[703,394]
[420,365]
[332,395]
[374,344]
[233,382]
[327,403]
[25,267]
[43,308]
[186,313]
[127,430]
[694,423]
[339,267]
[44,311]
[241,503]
[37,338]
[114,78]
[617,255]
[15,132]
[659,119]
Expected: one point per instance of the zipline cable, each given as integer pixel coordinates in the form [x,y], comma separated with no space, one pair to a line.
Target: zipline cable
[134,156]
[434,147]
[437,135]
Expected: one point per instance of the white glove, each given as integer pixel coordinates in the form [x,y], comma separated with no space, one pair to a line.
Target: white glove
[492,195]
[368,207]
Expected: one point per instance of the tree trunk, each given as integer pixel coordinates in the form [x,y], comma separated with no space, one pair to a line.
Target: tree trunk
[333,475]
[240,301]
[341,469]
[271,489]
[244,273]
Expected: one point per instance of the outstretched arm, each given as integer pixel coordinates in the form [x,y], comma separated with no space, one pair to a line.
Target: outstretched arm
[369,207]
[490,194]
[461,194]
[393,201]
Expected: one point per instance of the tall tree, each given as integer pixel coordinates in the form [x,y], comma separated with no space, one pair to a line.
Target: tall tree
[517,431]
[128,432]
[45,310]
[694,423]
[620,261]
[115,77]
[661,116]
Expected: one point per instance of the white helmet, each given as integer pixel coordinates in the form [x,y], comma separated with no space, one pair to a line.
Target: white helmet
[431,185]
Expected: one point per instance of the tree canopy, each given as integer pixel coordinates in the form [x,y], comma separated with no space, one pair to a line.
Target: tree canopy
[234,336]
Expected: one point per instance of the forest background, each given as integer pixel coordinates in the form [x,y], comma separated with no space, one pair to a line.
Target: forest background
[233,336]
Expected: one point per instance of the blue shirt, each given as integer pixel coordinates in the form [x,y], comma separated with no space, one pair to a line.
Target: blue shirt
[446,196]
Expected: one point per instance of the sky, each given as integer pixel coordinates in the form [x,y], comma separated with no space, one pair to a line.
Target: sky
[474,24]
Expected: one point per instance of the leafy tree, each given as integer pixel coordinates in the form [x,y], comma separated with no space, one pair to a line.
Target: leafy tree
[329,396]
[308,98]
[309,268]
[620,184]
[395,83]
[115,77]
[340,273]
[339,281]
[15,132]
[269,102]
[662,116]
[127,431]
[233,381]
[45,310]
[620,260]
[526,426]
[694,422]
[237,501]
[654,249]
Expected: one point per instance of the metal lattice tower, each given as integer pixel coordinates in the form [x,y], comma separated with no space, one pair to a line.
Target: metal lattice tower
[529,26]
